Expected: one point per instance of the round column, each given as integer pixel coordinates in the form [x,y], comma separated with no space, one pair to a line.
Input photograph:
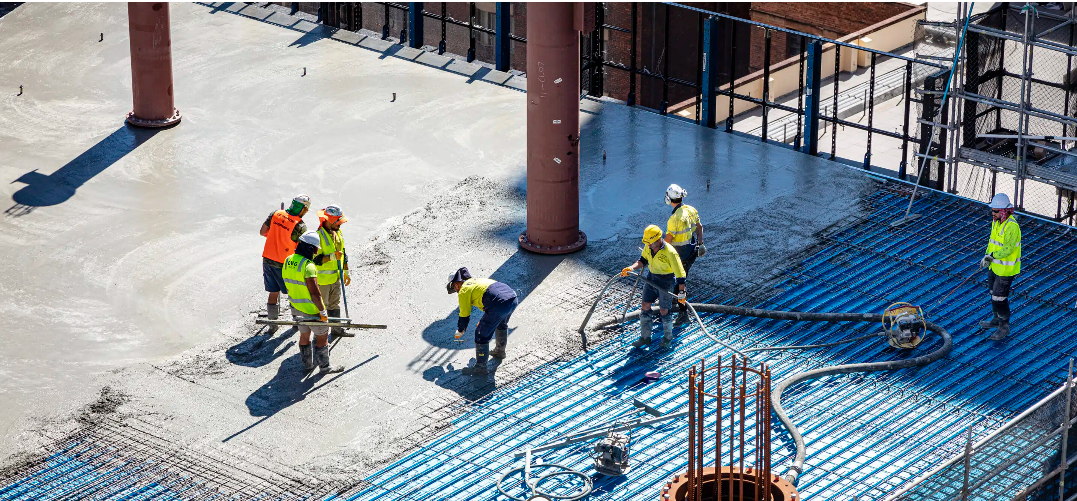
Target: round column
[553,129]
[151,65]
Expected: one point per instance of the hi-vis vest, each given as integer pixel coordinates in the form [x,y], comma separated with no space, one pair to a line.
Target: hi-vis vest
[664,262]
[1007,266]
[298,294]
[279,243]
[327,271]
[682,224]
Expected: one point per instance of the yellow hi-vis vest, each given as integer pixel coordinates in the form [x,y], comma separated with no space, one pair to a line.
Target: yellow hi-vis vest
[663,262]
[682,224]
[1008,230]
[331,243]
[295,267]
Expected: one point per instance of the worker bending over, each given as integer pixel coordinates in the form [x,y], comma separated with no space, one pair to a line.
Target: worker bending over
[301,276]
[664,268]
[282,230]
[497,301]
[332,262]
[685,233]
[1003,263]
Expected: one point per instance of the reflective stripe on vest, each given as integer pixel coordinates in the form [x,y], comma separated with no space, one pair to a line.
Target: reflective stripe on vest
[1008,265]
[327,271]
[298,294]
[682,224]
[279,244]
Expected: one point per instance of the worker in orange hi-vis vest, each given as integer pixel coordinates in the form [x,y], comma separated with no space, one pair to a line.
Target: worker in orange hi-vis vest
[282,230]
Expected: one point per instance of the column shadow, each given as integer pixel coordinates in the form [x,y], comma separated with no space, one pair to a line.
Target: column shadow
[46,190]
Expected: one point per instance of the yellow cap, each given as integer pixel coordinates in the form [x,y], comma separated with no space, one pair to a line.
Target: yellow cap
[652,234]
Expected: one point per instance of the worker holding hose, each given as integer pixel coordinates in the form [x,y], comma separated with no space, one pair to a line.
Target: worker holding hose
[685,233]
[497,301]
[1003,263]
[332,263]
[665,270]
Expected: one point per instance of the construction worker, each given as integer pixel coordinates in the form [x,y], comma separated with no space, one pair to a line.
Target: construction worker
[685,233]
[301,276]
[664,268]
[1003,263]
[332,262]
[281,230]
[497,301]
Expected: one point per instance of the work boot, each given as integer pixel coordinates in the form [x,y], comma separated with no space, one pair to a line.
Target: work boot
[1002,332]
[501,340]
[306,354]
[644,330]
[482,354]
[682,318]
[989,324]
[272,311]
[322,354]
[667,333]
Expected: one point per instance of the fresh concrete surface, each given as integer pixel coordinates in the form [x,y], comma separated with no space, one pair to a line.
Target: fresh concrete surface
[139,270]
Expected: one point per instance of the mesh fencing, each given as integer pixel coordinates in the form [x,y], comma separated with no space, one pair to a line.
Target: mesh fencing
[1018,461]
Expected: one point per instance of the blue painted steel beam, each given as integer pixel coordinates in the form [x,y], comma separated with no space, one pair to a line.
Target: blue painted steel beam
[502,42]
[711,35]
[813,81]
[415,25]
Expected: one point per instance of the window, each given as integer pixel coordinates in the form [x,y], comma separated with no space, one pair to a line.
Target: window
[487,20]
[792,45]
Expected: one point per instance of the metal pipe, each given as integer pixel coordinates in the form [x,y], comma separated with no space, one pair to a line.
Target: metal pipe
[553,129]
[150,29]
[834,126]
[1065,434]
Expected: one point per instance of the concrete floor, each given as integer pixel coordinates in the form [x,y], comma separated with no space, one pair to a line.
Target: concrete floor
[134,257]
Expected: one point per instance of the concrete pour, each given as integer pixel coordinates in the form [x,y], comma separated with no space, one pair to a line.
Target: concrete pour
[133,268]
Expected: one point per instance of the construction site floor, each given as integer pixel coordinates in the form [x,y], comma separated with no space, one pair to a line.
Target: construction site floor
[133,273]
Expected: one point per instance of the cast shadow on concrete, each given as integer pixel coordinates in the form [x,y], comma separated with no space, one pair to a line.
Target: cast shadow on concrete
[469,387]
[46,190]
[261,348]
[288,387]
[320,32]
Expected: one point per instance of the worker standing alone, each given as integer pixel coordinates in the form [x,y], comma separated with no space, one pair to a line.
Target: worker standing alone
[332,263]
[281,230]
[301,276]
[685,233]
[497,301]
[664,268]
[1003,263]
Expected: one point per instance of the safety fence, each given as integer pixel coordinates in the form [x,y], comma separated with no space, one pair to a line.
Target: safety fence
[1019,461]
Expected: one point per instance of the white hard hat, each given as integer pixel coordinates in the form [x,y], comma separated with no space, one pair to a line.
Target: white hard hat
[312,238]
[1000,201]
[675,192]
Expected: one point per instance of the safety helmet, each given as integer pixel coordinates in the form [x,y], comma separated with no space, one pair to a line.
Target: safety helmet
[312,238]
[652,234]
[333,214]
[458,276]
[675,192]
[1000,201]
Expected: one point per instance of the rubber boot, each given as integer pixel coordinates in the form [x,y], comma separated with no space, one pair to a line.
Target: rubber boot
[1002,312]
[644,330]
[667,332]
[682,315]
[306,354]
[321,353]
[501,340]
[991,324]
[482,355]
[272,311]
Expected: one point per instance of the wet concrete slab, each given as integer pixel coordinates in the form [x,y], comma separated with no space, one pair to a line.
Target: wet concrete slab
[135,256]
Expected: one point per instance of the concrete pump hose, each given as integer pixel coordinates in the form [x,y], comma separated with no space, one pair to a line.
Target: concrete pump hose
[776,395]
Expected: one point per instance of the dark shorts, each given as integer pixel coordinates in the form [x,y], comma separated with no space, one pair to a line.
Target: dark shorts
[650,294]
[687,252]
[497,314]
[273,279]
[999,286]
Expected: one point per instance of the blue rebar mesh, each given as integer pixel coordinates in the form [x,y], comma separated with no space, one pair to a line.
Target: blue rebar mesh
[866,434]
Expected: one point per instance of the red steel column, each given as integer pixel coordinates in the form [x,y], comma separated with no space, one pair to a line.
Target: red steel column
[553,128]
[151,65]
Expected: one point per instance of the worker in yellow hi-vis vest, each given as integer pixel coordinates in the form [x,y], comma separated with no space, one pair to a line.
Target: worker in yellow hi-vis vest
[332,262]
[664,268]
[1003,263]
[685,233]
[301,278]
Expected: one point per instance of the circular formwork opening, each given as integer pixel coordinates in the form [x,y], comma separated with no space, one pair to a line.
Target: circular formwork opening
[736,485]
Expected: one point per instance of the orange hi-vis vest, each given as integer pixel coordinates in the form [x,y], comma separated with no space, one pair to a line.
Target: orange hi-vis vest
[279,243]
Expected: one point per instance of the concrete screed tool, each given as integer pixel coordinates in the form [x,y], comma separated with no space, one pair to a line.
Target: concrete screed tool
[345,323]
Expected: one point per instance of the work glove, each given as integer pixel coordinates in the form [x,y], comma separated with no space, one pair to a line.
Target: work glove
[339,256]
[459,336]
[986,261]
[626,271]
[323,316]
[701,250]
[347,279]
[682,297]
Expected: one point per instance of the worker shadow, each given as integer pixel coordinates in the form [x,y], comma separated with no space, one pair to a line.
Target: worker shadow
[469,387]
[46,190]
[287,388]
[261,348]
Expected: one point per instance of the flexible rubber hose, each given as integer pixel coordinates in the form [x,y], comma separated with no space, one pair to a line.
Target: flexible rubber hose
[776,395]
